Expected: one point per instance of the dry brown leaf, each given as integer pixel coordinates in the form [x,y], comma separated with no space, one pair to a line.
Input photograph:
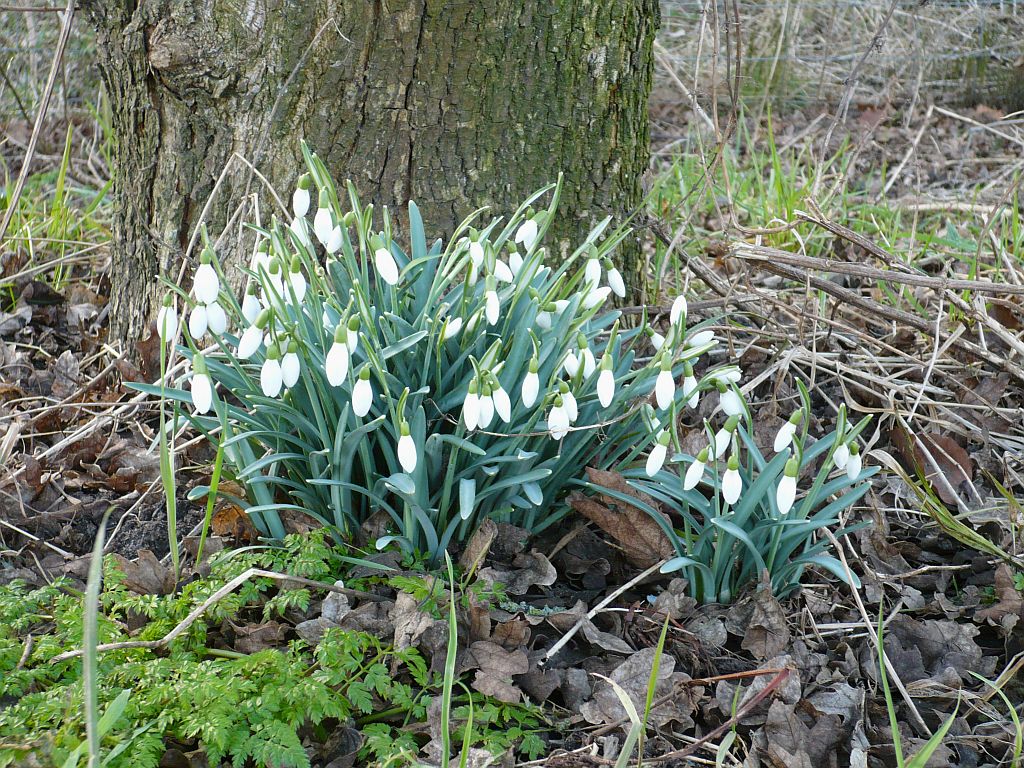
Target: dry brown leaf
[1009,606]
[528,570]
[146,575]
[253,638]
[495,669]
[767,633]
[946,453]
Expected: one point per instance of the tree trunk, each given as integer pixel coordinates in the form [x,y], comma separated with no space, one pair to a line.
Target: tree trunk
[454,104]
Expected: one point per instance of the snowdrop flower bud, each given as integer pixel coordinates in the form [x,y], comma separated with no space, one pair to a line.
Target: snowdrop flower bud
[729,400]
[197,322]
[606,382]
[205,283]
[471,406]
[216,319]
[300,229]
[695,472]
[297,280]
[854,465]
[786,493]
[290,365]
[699,339]
[253,336]
[493,306]
[502,404]
[476,254]
[385,262]
[202,388]
[352,333]
[571,364]
[724,436]
[615,281]
[665,385]
[271,376]
[406,449]
[250,304]
[841,455]
[300,197]
[515,263]
[558,420]
[730,374]
[531,384]
[336,364]
[596,297]
[527,234]
[656,458]
[502,272]
[657,340]
[732,483]
[486,406]
[690,393]
[592,272]
[452,326]
[569,404]
[167,320]
[786,432]
[678,311]
[333,244]
[323,222]
[587,360]
[544,317]
[362,393]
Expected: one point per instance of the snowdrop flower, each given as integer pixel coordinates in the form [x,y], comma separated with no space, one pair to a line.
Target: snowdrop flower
[785,495]
[197,322]
[300,229]
[323,222]
[251,305]
[202,388]
[592,272]
[854,465]
[261,259]
[527,234]
[333,244]
[665,385]
[615,281]
[362,393]
[297,280]
[678,311]
[558,420]
[515,263]
[569,404]
[452,326]
[386,266]
[699,339]
[784,436]
[352,333]
[476,254]
[216,319]
[531,384]
[724,436]
[205,283]
[606,382]
[471,406]
[695,472]
[300,197]
[406,449]
[336,364]
[690,393]
[596,297]
[252,338]
[841,455]
[657,340]
[728,375]
[571,364]
[275,276]
[587,360]
[732,483]
[486,406]
[271,376]
[502,272]
[492,305]
[656,458]
[502,404]
[729,400]
[166,320]
[290,365]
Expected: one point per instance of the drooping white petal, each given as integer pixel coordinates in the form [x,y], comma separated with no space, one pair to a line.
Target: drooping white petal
[333,244]
[515,263]
[336,364]
[251,340]
[300,202]
[202,392]
[854,466]
[616,283]
[216,319]
[596,297]
[664,389]
[493,307]
[290,369]
[694,474]
[558,422]
[592,272]
[362,397]
[571,363]
[476,254]
[502,404]
[452,328]
[571,408]
[678,310]
[527,234]
[656,459]
[407,453]
[690,393]
[544,321]
[731,402]
[722,439]
[198,322]
[786,494]
[251,308]
[323,225]
[471,411]
[298,284]
[699,339]
[605,388]
[352,340]
[588,362]
[301,230]
[657,340]
[166,322]
[784,436]
[386,266]
[206,284]
[841,456]
[271,377]
[732,486]
[531,387]
[502,272]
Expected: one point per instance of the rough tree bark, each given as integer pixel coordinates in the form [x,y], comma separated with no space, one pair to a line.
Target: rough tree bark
[452,103]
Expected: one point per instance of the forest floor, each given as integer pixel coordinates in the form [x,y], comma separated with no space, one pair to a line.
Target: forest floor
[878,258]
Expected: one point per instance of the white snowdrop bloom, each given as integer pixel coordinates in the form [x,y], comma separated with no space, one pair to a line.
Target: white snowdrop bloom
[723,437]
[855,464]
[657,340]
[333,244]
[503,272]
[558,421]
[251,305]
[785,495]
[198,322]
[656,459]
[787,431]
[727,375]
[250,342]
[596,297]
[571,364]
[486,408]
[616,283]
[471,407]
[695,472]
[297,281]
[732,483]
[730,402]
[605,385]
[526,235]
[406,450]
[201,386]
[476,254]
[515,263]
[544,320]
[336,364]
[290,368]
[300,197]
[699,339]
[166,321]
[571,407]
[451,328]
[206,284]
[271,376]
[492,306]
[386,266]
[678,310]
[690,393]
[323,222]
[301,230]
[261,259]
[531,385]
[592,272]
[588,362]
[216,319]
[664,386]
[841,456]
[352,333]
[502,404]
[362,394]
